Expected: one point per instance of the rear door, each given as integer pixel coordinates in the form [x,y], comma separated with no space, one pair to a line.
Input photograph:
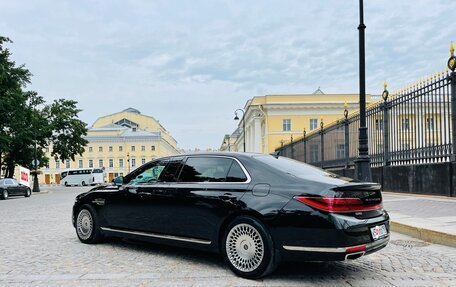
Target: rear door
[208,189]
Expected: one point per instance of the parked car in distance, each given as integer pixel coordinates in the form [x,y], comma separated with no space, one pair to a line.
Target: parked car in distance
[10,187]
[256,210]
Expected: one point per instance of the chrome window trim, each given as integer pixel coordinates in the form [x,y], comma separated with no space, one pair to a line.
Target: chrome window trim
[369,246]
[244,170]
[160,236]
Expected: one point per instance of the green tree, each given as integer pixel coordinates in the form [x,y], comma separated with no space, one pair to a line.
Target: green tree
[28,125]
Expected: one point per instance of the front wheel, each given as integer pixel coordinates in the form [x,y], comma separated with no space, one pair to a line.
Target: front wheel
[83,183]
[5,194]
[87,228]
[28,192]
[248,248]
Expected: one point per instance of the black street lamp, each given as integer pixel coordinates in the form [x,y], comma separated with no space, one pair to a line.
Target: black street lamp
[362,163]
[236,118]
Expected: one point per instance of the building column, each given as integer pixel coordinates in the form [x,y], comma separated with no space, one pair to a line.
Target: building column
[257,135]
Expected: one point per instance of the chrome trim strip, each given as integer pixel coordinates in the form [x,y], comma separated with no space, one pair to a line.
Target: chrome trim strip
[369,247]
[161,236]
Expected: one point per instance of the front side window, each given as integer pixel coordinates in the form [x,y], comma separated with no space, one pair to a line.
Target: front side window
[171,172]
[148,173]
[205,169]
[286,125]
[9,182]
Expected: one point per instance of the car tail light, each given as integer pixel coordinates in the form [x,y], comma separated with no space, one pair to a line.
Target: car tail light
[338,204]
[356,248]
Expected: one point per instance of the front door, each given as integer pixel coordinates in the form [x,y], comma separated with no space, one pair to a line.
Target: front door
[47,178]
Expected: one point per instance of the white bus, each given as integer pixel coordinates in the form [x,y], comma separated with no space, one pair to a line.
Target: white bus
[82,176]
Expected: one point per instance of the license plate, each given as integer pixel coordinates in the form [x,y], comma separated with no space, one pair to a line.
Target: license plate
[379,231]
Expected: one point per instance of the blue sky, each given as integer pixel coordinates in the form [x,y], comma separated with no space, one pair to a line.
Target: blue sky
[190,64]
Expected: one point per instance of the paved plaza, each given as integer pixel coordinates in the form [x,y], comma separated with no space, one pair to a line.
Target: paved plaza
[39,248]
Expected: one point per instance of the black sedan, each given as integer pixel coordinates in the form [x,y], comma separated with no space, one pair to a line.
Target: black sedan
[10,187]
[256,210]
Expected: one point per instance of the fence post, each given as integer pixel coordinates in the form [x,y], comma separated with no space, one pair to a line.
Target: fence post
[304,142]
[385,127]
[292,147]
[346,136]
[452,79]
[322,143]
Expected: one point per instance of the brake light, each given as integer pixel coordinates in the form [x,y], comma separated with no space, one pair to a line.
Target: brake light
[338,204]
[356,248]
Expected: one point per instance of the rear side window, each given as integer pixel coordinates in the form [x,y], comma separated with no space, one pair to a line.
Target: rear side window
[205,169]
[236,174]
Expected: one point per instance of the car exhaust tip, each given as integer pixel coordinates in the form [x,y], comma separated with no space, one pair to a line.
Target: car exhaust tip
[353,256]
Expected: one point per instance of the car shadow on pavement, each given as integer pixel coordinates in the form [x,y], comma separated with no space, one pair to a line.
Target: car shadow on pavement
[286,270]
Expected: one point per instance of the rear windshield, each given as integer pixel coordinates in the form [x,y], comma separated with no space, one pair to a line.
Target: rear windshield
[294,167]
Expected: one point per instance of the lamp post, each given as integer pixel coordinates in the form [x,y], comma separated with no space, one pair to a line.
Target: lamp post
[236,118]
[362,163]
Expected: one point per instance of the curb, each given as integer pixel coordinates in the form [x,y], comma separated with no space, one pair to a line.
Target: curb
[424,234]
[41,192]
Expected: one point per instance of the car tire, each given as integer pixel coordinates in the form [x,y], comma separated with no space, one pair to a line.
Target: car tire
[87,225]
[28,192]
[83,183]
[4,194]
[248,248]
[66,184]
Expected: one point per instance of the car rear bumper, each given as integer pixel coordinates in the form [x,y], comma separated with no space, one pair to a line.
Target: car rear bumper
[311,253]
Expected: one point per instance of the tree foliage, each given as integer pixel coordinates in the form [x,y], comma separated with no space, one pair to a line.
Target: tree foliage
[28,125]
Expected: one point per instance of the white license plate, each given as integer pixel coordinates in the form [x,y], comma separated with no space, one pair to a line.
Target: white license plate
[379,231]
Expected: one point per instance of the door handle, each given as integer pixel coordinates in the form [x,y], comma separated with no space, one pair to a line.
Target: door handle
[226,196]
[144,193]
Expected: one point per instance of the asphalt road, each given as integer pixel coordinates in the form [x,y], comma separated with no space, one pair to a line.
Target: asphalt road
[39,247]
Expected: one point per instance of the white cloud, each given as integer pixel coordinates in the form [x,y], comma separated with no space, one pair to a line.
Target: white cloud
[190,64]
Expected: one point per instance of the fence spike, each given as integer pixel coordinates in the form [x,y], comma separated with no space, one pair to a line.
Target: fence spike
[452,49]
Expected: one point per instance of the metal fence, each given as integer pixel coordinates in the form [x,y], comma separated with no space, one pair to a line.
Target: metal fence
[415,126]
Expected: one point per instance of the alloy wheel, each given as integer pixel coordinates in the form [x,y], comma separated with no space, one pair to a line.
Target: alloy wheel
[84,224]
[244,247]
[5,194]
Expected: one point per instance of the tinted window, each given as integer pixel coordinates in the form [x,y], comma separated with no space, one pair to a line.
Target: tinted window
[8,182]
[236,174]
[147,173]
[171,171]
[97,170]
[205,169]
[63,174]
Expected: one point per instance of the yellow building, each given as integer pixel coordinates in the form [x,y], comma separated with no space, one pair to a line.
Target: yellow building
[272,120]
[118,143]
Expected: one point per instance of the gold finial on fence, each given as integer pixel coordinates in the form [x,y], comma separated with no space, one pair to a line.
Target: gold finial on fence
[385,93]
[345,110]
[321,123]
[452,60]
[385,85]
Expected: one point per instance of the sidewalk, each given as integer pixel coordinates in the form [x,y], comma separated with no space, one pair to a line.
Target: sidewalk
[426,217]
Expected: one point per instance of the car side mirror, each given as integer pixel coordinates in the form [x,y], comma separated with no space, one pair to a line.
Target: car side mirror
[118,181]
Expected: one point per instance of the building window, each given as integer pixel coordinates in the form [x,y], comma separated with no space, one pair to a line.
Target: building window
[340,151]
[120,148]
[80,163]
[143,161]
[286,125]
[120,162]
[110,148]
[405,124]
[90,149]
[313,124]
[152,147]
[133,148]
[430,124]
[133,162]
[100,148]
[57,164]
[67,163]
[90,163]
[111,162]
[143,148]
[100,163]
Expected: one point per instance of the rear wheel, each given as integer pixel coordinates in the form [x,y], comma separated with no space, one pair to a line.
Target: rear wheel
[28,192]
[5,194]
[248,248]
[87,228]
